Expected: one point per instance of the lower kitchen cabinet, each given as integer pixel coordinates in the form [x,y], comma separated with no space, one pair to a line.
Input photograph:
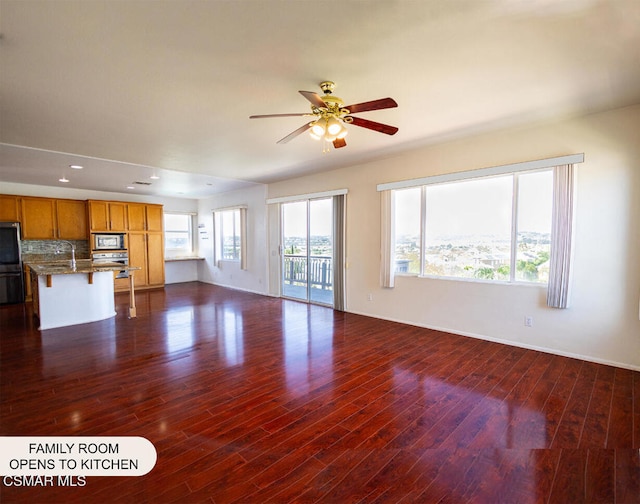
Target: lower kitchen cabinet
[155,259]
[146,250]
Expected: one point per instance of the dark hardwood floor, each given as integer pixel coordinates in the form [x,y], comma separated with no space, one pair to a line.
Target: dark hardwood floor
[253,399]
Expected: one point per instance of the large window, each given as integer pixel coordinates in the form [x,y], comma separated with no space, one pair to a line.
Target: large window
[178,234]
[230,237]
[492,228]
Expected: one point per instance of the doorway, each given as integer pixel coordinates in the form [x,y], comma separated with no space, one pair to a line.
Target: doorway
[307,251]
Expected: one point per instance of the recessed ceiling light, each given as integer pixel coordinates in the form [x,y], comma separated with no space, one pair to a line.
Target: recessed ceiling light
[130,187]
[76,166]
[63,179]
[154,177]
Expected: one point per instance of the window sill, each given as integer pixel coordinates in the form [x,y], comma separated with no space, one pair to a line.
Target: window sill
[183,258]
[472,280]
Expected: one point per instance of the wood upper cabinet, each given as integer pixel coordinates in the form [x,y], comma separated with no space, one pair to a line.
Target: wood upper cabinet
[107,216]
[51,219]
[118,215]
[137,217]
[9,208]
[98,215]
[38,219]
[155,218]
[145,217]
[72,219]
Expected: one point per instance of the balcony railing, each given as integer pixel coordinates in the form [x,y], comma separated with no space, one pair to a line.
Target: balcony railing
[320,274]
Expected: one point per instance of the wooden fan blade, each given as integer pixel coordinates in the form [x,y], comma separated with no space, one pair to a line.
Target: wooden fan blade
[375,126]
[339,142]
[383,103]
[278,115]
[314,98]
[293,134]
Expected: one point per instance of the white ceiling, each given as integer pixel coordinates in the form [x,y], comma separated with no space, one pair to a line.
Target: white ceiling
[132,88]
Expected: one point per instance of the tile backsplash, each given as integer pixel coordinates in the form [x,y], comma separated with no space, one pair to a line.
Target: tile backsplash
[52,250]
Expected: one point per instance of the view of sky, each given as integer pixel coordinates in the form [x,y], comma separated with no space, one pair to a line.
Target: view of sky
[295,218]
[478,206]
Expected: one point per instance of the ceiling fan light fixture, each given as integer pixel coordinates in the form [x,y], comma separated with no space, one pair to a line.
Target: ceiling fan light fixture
[343,133]
[318,128]
[334,126]
[314,136]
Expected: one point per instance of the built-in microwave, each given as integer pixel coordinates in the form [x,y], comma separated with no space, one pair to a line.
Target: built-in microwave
[108,241]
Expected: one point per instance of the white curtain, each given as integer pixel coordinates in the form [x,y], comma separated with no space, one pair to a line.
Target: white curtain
[561,236]
[243,238]
[387,233]
[214,234]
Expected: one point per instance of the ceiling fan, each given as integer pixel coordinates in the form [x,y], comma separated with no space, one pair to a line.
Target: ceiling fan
[330,116]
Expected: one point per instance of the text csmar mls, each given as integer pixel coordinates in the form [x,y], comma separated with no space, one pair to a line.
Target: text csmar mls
[45,481]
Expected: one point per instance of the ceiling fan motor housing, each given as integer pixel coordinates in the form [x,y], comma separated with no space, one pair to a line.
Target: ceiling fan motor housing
[327,87]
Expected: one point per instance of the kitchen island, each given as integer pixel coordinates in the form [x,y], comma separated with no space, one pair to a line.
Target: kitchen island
[67,293]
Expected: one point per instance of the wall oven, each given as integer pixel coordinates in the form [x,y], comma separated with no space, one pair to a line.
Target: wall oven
[108,241]
[113,257]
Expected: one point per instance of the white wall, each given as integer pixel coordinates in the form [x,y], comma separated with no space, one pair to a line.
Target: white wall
[181,271]
[602,322]
[255,278]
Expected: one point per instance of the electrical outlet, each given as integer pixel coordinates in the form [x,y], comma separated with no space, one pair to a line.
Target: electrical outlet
[370,297]
[528,321]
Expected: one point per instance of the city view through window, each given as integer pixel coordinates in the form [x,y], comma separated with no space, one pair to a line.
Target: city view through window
[468,231]
[307,250]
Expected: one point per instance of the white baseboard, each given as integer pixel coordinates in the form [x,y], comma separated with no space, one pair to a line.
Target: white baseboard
[232,287]
[552,351]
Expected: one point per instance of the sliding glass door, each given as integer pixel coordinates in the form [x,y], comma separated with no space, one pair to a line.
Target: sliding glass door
[307,255]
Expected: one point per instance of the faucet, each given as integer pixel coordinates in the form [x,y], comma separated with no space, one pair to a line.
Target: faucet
[73,253]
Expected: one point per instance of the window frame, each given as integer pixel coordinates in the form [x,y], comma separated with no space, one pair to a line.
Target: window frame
[236,244]
[191,236]
[515,195]
[218,225]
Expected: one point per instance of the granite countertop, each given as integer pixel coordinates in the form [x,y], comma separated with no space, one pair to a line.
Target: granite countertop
[82,266]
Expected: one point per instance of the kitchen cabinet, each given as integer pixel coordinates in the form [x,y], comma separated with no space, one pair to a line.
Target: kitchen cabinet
[71,217]
[38,218]
[146,250]
[9,208]
[145,217]
[107,216]
[155,258]
[155,218]
[53,219]
[138,257]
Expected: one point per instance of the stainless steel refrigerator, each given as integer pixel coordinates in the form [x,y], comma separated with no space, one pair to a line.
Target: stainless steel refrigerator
[11,283]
